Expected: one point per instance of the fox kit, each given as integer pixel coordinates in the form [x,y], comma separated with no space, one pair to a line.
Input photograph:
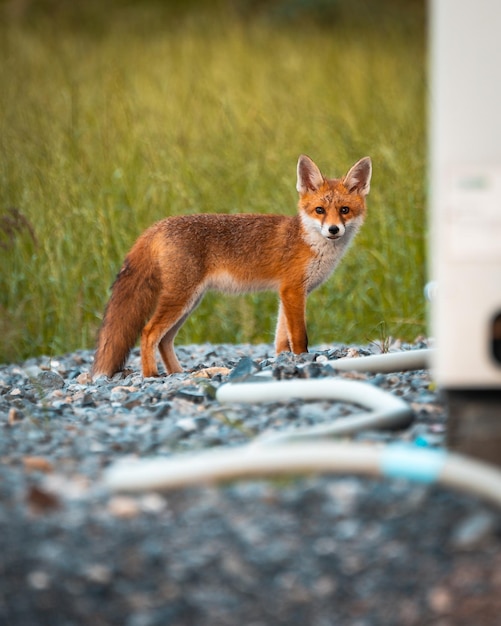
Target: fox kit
[175,261]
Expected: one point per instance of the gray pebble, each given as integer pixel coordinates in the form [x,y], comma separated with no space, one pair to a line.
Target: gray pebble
[472,531]
[49,380]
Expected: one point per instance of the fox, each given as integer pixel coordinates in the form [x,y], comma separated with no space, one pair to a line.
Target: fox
[178,259]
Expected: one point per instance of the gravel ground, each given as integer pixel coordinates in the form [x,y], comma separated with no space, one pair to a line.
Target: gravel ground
[314,551]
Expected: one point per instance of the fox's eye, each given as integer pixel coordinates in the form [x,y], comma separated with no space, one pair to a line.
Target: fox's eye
[320,210]
[344,210]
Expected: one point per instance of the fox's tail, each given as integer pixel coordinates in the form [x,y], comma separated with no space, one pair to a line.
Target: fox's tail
[133,298]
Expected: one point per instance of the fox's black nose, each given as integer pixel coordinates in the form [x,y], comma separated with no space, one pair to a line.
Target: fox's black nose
[333,230]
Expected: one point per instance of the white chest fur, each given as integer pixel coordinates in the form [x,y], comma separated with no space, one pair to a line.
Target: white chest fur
[327,256]
[327,252]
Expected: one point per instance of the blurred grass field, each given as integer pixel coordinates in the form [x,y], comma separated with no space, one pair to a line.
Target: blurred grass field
[110,121]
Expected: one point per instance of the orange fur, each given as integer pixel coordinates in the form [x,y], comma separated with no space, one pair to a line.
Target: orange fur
[175,261]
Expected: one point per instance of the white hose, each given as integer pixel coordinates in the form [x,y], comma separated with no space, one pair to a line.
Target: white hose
[385,363]
[405,360]
[395,461]
[241,462]
[388,411]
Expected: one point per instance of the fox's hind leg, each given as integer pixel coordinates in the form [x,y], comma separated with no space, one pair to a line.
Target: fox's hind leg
[167,318]
[166,345]
[166,348]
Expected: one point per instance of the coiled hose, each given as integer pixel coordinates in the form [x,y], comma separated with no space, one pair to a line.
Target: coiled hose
[293,452]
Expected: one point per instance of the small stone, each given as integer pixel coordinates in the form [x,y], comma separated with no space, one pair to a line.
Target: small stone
[38,580]
[244,368]
[32,371]
[37,464]
[285,366]
[209,372]
[472,531]
[125,388]
[187,424]
[162,409]
[123,507]
[50,380]
[194,394]
[84,379]
[118,394]
[88,400]
[352,353]
[98,573]
[101,380]
[313,370]
[379,380]
[171,434]
[440,600]
[153,503]
[41,500]
[15,416]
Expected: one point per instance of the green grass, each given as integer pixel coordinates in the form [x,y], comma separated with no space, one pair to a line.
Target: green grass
[109,125]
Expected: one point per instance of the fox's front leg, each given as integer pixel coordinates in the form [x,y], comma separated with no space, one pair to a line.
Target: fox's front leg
[291,327]
[281,333]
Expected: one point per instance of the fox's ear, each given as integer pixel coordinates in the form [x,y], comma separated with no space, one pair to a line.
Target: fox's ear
[359,177]
[309,177]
